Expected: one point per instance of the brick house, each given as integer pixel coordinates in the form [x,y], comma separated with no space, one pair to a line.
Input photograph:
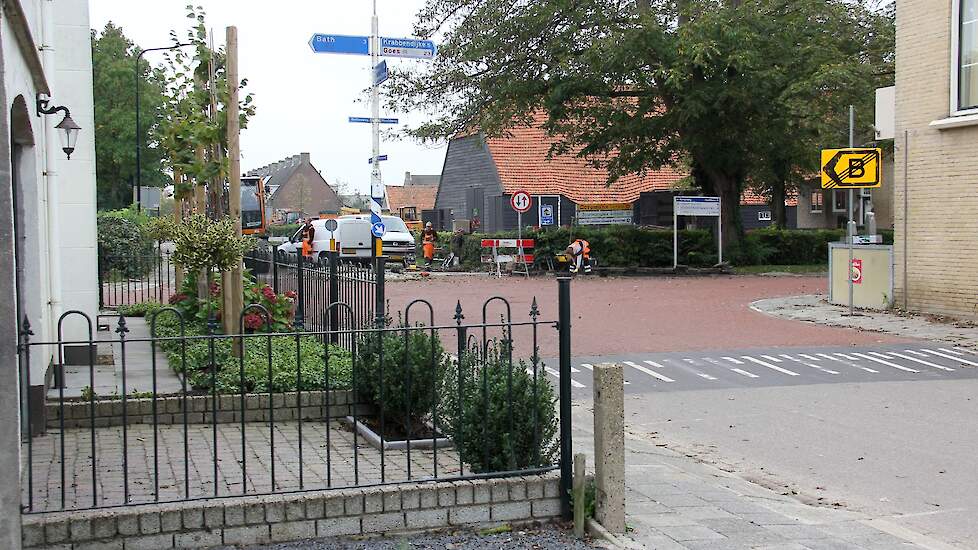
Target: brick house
[935,197]
[413,197]
[295,185]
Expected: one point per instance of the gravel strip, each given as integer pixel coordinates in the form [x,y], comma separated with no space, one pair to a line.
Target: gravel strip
[542,538]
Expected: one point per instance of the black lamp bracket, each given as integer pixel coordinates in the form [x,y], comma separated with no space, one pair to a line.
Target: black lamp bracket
[44,108]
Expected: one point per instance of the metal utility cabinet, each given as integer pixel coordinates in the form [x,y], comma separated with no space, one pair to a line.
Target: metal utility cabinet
[872,273]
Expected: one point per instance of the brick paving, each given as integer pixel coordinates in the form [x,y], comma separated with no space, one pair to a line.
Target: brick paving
[346,467]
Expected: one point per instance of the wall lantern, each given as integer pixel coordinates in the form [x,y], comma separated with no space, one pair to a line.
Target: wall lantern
[68,128]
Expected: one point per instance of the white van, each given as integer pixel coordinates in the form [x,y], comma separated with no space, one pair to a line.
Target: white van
[354,239]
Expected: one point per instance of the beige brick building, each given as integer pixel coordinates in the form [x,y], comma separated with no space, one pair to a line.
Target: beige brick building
[936,188]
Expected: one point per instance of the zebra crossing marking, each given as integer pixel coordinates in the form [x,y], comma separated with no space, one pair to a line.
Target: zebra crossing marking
[556,375]
[649,372]
[921,361]
[769,365]
[744,373]
[732,360]
[772,359]
[590,367]
[806,356]
[883,362]
[951,357]
[851,364]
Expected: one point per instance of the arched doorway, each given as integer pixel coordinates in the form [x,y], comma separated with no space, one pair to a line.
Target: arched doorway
[27,248]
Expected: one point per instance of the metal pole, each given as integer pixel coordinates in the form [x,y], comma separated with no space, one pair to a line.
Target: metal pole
[720,229]
[850,227]
[566,447]
[675,237]
[334,296]
[906,214]
[139,141]
[380,311]
[376,189]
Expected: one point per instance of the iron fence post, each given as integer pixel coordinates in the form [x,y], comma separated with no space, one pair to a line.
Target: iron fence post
[566,449]
[300,309]
[334,296]
[274,272]
[101,291]
[379,309]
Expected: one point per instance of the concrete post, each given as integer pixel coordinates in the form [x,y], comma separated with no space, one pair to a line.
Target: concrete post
[609,446]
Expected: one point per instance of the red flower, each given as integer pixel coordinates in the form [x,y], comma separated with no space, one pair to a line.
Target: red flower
[268,293]
[177,298]
[215,289]
[253,321]
[291,295]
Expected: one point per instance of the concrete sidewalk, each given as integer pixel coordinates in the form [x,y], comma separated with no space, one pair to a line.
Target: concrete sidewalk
[814,308]
[675,502]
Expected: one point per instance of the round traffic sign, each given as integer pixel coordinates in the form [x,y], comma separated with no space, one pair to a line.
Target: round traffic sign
[378,229]
[331,225]
[521,201]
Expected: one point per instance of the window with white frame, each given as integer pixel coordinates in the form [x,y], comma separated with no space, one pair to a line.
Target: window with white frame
[818,202]
[964,52]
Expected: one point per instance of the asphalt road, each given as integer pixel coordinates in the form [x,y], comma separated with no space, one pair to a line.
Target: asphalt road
[887,430]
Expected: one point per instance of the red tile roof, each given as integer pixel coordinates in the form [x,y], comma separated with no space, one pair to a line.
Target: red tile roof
[522,163]
[749,197]
[421,197]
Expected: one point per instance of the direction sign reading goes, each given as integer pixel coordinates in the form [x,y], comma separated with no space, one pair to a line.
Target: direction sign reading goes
[521,201]
[851,168]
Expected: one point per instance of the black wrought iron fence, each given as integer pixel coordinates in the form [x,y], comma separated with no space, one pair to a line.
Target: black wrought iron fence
[197,414]
[134,278]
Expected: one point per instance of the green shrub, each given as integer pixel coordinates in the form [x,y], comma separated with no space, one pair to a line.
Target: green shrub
[286,230]
[140,309]
[194,358]
[406,387]
[492,392]
[125,248]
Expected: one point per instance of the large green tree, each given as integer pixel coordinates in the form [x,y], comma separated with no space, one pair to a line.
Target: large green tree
[114,72]
[635,85]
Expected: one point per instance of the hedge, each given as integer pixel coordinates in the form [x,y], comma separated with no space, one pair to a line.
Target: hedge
[286,230]
[124,247]
[634,246]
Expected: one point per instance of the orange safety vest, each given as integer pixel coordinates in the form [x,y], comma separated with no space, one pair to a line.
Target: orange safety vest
[583,247]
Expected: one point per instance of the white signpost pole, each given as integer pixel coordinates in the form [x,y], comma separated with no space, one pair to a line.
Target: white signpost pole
[720,229]
[376,188]
[675,236]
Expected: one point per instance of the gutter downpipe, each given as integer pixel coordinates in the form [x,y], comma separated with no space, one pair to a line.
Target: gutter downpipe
[50,174]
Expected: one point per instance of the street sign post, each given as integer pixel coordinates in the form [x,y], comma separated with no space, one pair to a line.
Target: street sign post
[381,158]
[367,120]
[521,202]
[695,206]
[407,47]
[546,214]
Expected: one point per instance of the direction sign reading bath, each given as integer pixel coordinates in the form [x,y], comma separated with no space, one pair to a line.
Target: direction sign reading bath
[696,206]
[368,120]
[340,43]
[851,168]
[360,45]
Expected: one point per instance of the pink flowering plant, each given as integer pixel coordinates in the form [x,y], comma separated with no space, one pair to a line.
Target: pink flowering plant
[281,307]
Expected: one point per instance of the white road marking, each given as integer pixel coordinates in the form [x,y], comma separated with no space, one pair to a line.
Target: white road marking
[806,356]
[691,362]
[556,375]
[654,364]
[772,359]
[921,361]
[649,372]
[732,360]
[917,353]
[706,376]
[769,365]
[880,355]
[951,351]
[867,369]
[953,358]
[847,357]
[574,370]
[887,363]
[965,351]
[745,373]
[788,357]
[590,367]
[823,369]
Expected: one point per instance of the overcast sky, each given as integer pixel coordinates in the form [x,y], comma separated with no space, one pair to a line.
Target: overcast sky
[303,99]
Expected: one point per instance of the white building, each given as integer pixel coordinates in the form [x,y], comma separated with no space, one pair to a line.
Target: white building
[48,259]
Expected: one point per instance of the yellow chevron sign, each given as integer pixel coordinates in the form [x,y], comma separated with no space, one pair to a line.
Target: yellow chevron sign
[851,168]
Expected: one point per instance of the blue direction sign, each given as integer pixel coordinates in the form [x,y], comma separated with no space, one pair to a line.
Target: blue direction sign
[407,47]
[378,229]
[379,159]
[340,43]
[380,73]
[368,120]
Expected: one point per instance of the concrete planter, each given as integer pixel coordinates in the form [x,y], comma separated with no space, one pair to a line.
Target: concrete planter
[378,442]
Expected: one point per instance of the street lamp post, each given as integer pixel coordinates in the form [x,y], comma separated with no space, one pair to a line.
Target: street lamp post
[139,144]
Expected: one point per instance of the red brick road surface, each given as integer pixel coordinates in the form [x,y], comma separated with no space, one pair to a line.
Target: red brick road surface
[636,315]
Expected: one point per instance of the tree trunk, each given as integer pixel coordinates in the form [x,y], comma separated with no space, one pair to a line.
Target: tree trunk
[727,187]
[177,218]
[779,213]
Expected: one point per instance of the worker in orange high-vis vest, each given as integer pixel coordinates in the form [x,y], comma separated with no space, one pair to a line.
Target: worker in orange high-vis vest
[428,238]
[580,251]
[308,236]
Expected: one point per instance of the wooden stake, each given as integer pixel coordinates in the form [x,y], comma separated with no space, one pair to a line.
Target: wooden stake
[177,219]
[234,295]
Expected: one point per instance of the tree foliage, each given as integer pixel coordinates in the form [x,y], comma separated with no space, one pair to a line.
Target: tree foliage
[724,88]
[114,82]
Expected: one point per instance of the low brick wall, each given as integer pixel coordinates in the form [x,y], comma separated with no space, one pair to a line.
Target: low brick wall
[298,516]
[169,409]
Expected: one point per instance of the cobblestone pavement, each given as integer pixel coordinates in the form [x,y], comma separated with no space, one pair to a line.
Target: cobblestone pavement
[674,502]
[323,465]
[815,309]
